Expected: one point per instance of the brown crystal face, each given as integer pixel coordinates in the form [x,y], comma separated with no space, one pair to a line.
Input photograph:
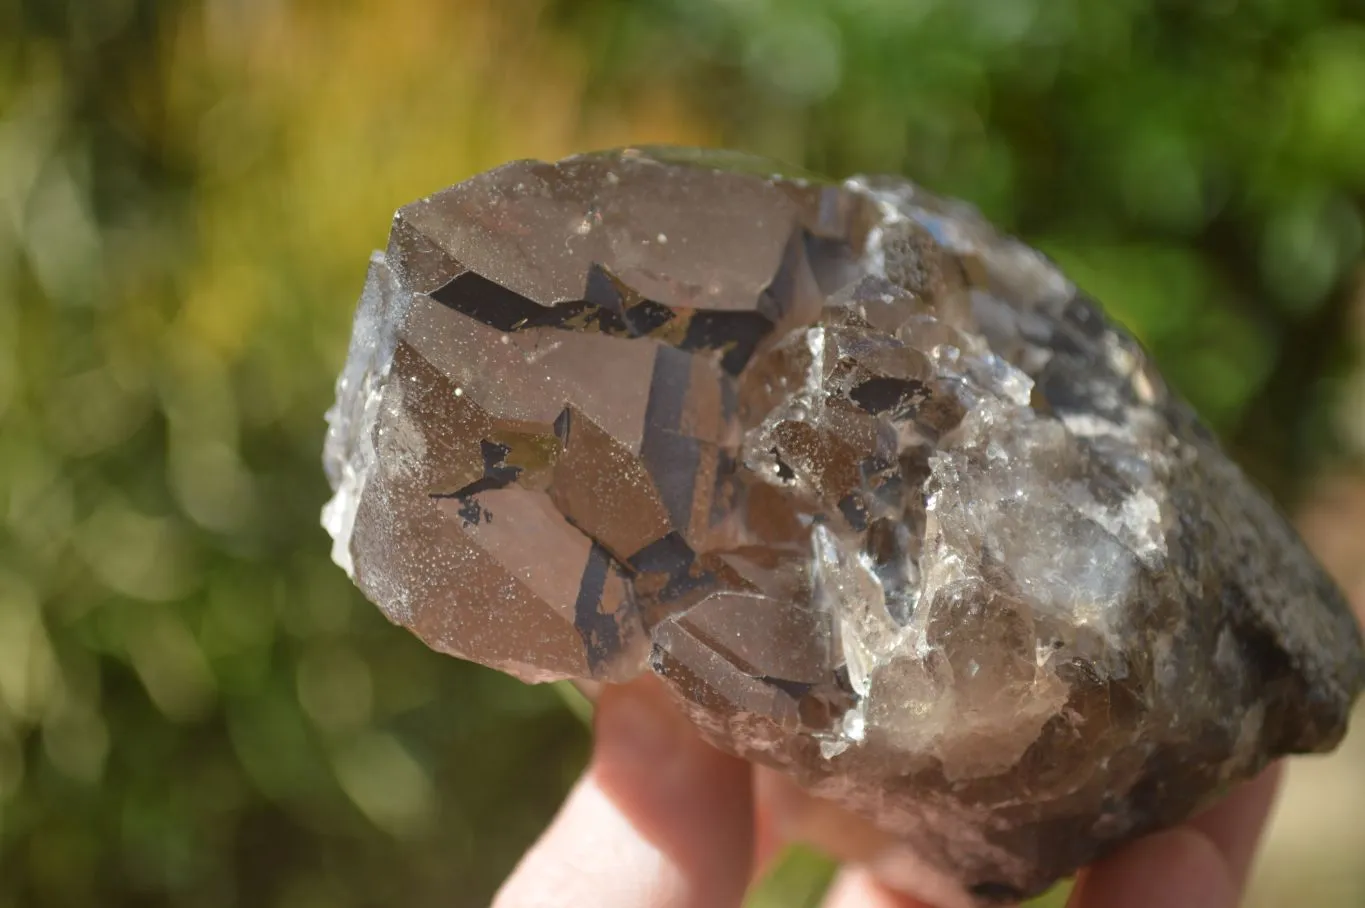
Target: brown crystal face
[885,500]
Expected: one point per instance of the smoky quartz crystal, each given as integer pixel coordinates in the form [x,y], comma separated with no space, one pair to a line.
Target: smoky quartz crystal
[882,497]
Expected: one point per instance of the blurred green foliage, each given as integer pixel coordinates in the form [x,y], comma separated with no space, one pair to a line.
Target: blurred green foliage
[1196,163]
[195,707]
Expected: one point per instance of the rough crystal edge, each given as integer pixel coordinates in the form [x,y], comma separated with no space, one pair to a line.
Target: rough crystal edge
[348,454]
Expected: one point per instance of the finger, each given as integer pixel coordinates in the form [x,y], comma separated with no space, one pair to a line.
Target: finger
[858,888]
[768,840]
[789,813]
[660,819]
[1235,824]
[798,816]
[1178,868]
[1205,862]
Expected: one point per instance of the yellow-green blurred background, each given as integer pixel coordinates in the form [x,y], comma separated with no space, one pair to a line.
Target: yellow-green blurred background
[195,706]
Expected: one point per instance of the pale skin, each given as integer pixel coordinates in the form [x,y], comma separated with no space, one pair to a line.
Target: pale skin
[662,820]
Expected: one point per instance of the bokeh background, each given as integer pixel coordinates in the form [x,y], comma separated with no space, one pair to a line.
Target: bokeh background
[195,706]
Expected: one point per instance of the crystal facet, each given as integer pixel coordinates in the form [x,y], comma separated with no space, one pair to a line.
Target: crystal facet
[885,500]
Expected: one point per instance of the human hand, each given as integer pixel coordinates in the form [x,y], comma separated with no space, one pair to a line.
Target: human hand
[662,820]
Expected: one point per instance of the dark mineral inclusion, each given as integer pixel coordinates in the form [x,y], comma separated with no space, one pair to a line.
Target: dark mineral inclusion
[881,496]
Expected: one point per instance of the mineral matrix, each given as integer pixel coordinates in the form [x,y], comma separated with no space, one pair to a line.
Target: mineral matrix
[884,499]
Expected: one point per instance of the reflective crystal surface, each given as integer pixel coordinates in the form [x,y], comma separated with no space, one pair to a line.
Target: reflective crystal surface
[884,499]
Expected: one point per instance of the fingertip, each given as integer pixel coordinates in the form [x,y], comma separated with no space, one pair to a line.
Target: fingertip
[660,819]
[1177,868]
[1235,824]
[857,887]
[690,800]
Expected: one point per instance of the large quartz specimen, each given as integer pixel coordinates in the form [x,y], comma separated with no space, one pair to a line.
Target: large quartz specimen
[880,495]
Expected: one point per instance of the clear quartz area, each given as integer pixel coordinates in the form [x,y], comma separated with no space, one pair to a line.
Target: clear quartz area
[884,499]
